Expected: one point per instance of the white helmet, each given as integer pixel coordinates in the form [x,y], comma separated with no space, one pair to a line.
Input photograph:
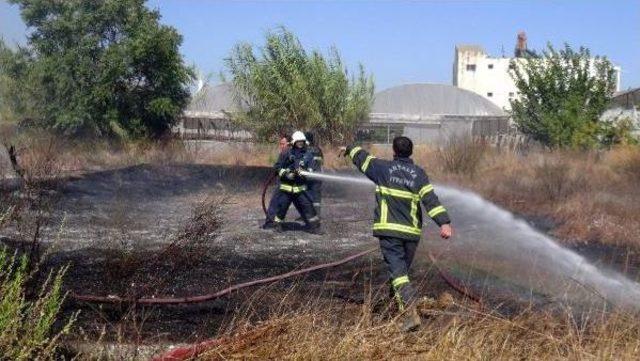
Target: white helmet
[298,136]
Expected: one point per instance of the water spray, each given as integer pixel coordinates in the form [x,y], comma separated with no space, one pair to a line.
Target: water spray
[337,178]
[492,240]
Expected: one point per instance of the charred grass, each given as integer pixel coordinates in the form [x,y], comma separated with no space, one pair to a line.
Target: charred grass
[591,197]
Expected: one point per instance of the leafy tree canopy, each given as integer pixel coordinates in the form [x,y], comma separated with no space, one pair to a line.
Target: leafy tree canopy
[97,67]
[562,95]
[286,87]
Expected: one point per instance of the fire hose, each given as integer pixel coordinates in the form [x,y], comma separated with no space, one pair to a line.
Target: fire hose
[193,350]
[184,353]
[449,279]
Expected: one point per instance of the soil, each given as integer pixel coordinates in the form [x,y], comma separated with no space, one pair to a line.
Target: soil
[110,227]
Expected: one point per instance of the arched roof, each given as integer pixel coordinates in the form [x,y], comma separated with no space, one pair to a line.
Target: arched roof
[215,99]
[432,99]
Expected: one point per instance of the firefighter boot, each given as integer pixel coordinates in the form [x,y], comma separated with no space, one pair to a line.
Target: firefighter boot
[269,225]
[410,319]
[315,228]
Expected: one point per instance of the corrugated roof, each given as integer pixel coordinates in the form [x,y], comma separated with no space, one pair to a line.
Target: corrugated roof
[425,100]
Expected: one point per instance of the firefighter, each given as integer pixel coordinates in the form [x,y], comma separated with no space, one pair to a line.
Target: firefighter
[283,146]
[293,186]
[315,187]
[400,187]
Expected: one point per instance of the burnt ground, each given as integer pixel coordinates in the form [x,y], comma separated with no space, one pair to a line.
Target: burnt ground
[110,227]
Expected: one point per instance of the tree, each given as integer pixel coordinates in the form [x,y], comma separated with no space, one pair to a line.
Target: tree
[101,67]
[286,87]
[562,95]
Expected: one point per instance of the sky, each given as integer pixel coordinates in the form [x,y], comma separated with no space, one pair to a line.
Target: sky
[398,41]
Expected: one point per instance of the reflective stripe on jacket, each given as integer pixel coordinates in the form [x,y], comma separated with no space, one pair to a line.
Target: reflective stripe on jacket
[400,187]
[291,160]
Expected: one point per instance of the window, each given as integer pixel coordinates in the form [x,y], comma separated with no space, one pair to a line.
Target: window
[471,67]
[489,94]
[490,66]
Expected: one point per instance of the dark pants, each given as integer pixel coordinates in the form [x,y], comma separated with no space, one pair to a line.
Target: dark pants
[301,201]
[315,193]
[272,209]
[398,255]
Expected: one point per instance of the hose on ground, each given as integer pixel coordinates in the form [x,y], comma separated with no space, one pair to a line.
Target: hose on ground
[449,279]
[193,350]
[226,291]
[452,281]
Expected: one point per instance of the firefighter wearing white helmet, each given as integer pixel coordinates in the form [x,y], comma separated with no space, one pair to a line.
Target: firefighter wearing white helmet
[293,186]
[298,136]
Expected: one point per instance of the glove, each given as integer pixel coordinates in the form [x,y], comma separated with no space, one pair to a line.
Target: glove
[298,174]
[342,152]
[290,175]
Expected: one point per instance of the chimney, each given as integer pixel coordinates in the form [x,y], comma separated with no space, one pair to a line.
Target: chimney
[521,45]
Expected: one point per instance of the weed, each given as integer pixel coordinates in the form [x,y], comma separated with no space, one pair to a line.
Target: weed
[461,155]
[27,326]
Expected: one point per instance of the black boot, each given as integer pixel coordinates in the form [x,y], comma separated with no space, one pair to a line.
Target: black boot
[268,224]
[315,228]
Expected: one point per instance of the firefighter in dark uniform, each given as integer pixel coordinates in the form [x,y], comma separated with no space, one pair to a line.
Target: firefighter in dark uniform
[400,187]
[315,187]
[283,146]
[293,186]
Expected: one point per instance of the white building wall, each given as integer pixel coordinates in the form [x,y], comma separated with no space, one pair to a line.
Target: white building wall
[474,70]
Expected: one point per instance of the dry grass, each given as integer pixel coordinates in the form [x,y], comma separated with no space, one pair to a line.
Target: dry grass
[333,331]
[591,196]
[44,156]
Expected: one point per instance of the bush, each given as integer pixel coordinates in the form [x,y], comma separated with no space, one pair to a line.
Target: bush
[462,155]
[626,162]
[557,180]
[26,327]
[286,87]
[562,96]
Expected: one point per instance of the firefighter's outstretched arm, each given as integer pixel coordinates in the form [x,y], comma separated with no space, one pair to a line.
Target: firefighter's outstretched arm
[433,207]
[364,161]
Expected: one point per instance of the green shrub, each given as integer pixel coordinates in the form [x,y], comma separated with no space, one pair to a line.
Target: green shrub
[287,87]
[27,326]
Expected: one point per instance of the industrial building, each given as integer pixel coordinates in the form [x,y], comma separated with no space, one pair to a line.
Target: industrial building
[475,70]
[425,112]
[625,105]
[209,115]
[429,113]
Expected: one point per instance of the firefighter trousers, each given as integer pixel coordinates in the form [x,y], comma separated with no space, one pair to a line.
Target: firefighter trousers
[398,255]
[315,193]
[300,200]
[272,209]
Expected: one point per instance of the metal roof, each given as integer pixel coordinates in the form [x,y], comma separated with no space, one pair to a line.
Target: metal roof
[424,100]
[218,98]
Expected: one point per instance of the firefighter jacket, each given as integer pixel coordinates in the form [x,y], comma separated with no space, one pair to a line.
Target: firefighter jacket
[315,154]
[288,163]
[400,187]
